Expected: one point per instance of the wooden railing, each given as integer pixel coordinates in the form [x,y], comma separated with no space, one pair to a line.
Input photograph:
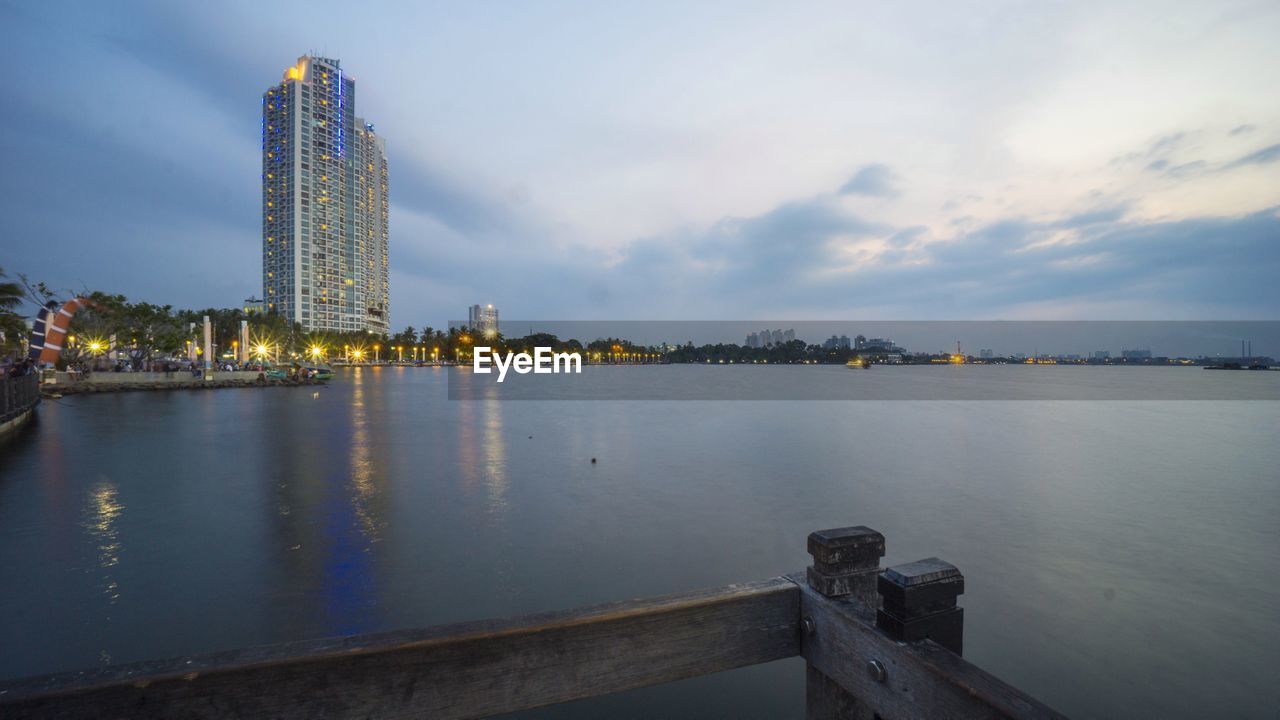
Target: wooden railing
[18,395]
[876,644]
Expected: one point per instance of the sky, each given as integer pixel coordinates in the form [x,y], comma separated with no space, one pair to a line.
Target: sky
[676,161]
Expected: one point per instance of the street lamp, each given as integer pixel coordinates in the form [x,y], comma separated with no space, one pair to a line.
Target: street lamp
[376,348]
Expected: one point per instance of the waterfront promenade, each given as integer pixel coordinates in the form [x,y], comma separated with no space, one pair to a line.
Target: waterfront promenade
[70,384]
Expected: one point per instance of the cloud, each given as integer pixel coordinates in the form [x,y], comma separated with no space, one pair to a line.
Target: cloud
[875,180]
[1093,217]
[1242,129]
[1166,144]
[1264,156]
[796,259]
[1156,153]
[1187,169]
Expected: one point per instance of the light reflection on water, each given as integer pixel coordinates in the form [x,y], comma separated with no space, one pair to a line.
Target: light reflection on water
[101,521]
[363,483]
[1099,540]
[495,460]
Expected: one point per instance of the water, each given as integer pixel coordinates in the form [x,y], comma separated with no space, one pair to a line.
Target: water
[1120,557]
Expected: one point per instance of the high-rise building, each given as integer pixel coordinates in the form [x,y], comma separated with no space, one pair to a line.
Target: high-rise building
[483,319]
[324,203]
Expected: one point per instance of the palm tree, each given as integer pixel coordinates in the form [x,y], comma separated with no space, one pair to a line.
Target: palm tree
[11,323]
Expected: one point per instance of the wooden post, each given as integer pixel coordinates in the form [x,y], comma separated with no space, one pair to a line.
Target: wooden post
[920,602]
[846,562]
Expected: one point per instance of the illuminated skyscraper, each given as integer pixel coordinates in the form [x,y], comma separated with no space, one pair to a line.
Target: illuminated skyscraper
[324,203]
[483,319]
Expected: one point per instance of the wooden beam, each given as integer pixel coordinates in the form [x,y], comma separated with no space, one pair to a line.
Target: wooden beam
[824,699]
[920,679]
[456,671]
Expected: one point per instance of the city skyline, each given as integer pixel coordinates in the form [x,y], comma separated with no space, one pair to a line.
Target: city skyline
[1121,163]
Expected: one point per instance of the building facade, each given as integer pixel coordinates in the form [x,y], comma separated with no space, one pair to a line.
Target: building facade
[324,204]
[483,319]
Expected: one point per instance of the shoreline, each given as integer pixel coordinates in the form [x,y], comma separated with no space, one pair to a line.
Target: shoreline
[94,386]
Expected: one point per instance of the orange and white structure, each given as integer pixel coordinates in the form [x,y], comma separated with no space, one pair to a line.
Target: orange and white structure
[49,331]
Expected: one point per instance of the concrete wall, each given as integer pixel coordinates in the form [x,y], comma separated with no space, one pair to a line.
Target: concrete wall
[146,378]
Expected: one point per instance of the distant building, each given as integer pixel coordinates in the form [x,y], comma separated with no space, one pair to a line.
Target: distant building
[834,342]
[483,319]
[879,346]
[986,353]
[1101,355]
[1135,354]
[767,338]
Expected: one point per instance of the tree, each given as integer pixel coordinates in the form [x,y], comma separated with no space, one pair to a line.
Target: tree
[406,337]
[11,323]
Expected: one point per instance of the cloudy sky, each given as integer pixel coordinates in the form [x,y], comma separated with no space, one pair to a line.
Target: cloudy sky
[677,161]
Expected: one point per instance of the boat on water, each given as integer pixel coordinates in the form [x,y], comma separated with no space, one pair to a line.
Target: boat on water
[319,371]
[309,371]
[858,362]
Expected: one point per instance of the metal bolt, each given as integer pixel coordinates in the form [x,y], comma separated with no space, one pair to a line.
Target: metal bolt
[809,627]
[876,670]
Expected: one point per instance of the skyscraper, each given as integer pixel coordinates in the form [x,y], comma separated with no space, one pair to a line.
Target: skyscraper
[483,319]
[324,203]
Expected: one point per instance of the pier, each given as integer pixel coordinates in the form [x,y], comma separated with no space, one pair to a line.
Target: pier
[877,643]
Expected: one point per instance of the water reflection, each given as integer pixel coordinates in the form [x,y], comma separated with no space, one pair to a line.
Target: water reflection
[102,516]
[495,461]
[324,453]
[1045,507]
[363,488]
[482,452]
[352,520]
